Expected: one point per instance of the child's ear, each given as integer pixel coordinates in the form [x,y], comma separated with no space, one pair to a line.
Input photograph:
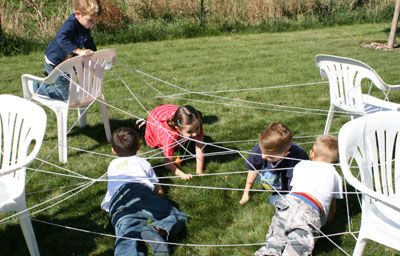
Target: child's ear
[312,154]
[77,13]
[113,151]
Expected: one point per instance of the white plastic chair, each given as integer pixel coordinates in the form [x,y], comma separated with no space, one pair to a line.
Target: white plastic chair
[86,86]
[373,142]
[22,127]
[345,76]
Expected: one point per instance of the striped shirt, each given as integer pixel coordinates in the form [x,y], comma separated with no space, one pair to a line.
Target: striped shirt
[158,133]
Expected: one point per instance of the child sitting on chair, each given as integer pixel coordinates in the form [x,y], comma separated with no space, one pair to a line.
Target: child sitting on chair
[72,39]
[311,202]
[134,202]
[274,158]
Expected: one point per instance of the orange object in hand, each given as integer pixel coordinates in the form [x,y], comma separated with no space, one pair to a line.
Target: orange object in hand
[178,161]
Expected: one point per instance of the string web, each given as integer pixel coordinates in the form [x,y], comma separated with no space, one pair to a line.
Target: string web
[219,99]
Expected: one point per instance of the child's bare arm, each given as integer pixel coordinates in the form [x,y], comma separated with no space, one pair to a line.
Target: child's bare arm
[251,177]
[199,159]
[175,170]
[158,189]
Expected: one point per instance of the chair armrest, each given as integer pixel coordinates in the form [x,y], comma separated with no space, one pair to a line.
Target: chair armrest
[365,190]
[26,80]
[394,87]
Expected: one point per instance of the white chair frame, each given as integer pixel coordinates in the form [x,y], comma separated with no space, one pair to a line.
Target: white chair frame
[345,78]
[86,87]
[372,142]
[22,127]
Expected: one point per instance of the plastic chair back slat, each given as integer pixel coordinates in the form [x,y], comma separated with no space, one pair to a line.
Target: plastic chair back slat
[396,167]
[7,119]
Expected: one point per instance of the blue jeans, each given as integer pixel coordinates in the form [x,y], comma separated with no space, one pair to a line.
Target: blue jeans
[131,209]
[58,90]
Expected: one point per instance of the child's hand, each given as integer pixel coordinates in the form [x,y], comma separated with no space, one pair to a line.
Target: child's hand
[185,176]
[85,52]
[245,199]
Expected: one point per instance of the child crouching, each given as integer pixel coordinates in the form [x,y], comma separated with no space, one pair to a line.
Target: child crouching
[311,202]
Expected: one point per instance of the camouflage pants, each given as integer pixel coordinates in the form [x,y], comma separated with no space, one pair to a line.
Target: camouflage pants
[292,229]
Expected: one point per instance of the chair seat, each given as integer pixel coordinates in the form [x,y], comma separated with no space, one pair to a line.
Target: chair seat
[372,104]
[10,193]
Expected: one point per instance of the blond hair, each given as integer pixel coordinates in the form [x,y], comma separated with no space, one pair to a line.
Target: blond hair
[276,139]
[88,7]
[326,148]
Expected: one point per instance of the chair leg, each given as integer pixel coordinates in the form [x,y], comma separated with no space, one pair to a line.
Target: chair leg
[27,230]
[106,120]
[329,119]
[82,117]
[62,120]
[360,245]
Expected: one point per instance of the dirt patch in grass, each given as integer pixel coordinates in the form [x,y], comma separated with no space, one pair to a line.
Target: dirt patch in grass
[380,46]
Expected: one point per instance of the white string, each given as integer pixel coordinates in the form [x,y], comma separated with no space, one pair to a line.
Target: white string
[249,89]
[37,205]
[81,176]
[169,243]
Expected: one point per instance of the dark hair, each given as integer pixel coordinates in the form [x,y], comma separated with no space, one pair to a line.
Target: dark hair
[187,115]
[276,138]
[125,141]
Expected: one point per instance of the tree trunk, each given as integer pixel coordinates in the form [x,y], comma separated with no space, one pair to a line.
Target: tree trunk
[203,13]
[393,28]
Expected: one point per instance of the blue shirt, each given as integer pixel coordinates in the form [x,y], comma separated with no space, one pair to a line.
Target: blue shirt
[71,35]
[256,162]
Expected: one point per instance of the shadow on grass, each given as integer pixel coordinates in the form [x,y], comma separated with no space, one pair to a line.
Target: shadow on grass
[340,223]
[53,240]
[97,133]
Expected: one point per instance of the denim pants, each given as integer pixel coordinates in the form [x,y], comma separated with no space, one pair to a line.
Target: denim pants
[132,207]
[58,90]
[292,229]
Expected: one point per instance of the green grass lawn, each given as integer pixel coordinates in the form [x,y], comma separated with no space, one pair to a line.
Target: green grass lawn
[223,64]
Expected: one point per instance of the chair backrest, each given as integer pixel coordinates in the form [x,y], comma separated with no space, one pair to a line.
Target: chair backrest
[22,127]
[85,74]
[345,76]
[373,142]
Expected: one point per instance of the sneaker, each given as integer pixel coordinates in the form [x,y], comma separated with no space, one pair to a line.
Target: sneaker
[140,123]
[151,233]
